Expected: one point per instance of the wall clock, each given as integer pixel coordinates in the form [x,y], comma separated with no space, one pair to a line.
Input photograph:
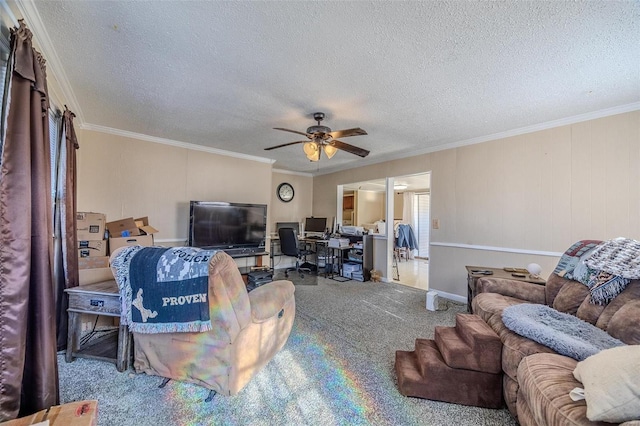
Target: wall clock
[285,192]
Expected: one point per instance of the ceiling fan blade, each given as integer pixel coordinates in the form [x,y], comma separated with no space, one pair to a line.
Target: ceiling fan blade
[292,131]
[284,144]
[357,131]
[349,148]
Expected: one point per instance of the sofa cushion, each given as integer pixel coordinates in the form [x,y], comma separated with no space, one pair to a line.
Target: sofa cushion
[611,381]
[624,324]
[553,286]
[489,306]
[589,311]
[615,323]
[545,382]
[570,297]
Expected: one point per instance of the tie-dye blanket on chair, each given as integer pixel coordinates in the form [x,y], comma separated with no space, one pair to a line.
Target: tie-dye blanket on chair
[164,290]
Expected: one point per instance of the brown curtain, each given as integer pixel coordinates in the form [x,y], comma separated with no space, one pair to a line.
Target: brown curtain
[65,245]
[29,370]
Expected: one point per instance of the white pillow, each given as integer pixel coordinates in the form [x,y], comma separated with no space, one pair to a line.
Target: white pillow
[611,381]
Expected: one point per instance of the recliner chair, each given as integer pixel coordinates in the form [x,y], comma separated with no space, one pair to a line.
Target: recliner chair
[289,247]
[249,328]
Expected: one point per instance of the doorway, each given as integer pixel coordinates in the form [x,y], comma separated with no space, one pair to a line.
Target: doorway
[376,206]
[411,225]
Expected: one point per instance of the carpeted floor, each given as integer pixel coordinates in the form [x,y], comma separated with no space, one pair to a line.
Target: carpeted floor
[336,369]
[297,278]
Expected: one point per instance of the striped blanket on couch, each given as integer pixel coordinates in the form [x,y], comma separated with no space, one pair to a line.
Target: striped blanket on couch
[164,290]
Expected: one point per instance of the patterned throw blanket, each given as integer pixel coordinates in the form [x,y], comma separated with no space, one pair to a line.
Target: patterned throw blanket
[605,267]
[573,257]
[164,290]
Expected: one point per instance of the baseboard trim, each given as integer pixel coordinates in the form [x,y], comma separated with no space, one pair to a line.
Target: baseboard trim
[450,296]
[500,249]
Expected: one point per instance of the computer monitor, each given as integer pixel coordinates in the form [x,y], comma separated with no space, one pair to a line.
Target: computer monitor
[315,224]
[294,225]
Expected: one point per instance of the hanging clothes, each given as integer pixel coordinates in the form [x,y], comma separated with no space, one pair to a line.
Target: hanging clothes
[406,237]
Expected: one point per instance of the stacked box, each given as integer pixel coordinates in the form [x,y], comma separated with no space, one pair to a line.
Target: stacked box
[338,242]
[91,242]
[90,226]
[92,248]
[351,270]
[130,232]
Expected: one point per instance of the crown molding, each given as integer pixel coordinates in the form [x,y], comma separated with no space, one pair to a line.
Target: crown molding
[31,15]
[621,109]
[171,142]
[289,172]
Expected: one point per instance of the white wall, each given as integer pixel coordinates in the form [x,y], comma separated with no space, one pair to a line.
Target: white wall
[522,199]
[125,177]
[370,207]
[297,209]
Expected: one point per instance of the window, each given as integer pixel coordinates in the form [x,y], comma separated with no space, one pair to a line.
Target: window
[55,126]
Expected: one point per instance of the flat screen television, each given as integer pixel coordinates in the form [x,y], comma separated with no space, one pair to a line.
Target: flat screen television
[227,226]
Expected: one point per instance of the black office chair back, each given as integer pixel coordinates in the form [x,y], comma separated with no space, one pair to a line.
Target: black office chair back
[288,242]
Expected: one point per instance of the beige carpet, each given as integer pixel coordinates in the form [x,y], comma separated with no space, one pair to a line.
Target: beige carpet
[336,369]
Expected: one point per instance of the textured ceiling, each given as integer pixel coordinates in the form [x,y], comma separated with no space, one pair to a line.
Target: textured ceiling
[417,76]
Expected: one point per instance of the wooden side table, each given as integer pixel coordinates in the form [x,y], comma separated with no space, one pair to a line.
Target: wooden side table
[100,298]
[472,277]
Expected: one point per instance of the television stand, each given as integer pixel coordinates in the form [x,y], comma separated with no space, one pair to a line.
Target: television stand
[246,252]
[240,253]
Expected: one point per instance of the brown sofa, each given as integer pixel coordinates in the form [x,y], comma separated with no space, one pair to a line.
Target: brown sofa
[249,328]
[537,381]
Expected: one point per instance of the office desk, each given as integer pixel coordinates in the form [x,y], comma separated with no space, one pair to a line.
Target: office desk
[318,246]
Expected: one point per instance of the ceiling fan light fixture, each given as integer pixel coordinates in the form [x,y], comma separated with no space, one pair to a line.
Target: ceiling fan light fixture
[330,150]
[321,138]
[312,150]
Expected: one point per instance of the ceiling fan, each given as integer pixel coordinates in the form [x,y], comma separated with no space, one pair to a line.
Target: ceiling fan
[321,138]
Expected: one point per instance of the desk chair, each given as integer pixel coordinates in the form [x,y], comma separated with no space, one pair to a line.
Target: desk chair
[289,247]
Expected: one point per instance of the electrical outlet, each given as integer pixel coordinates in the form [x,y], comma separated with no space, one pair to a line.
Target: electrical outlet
[435,223]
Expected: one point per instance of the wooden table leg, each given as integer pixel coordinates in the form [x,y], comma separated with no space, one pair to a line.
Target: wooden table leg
[124,348]
[73,335]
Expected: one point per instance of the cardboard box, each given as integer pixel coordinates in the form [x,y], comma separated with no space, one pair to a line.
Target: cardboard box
[78,413]
[338,242]
[138,240]
[95,275]
[133,226]
[90,226]
[118,227]
[93,262]
[92,248]
[143,225]
[352,267]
